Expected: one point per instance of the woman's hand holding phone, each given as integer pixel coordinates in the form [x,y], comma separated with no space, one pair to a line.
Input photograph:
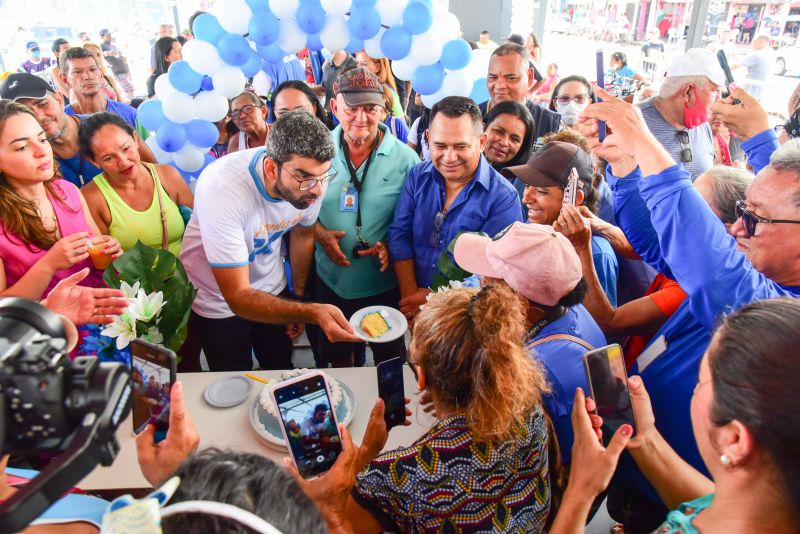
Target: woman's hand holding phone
[159,460]
[592,464]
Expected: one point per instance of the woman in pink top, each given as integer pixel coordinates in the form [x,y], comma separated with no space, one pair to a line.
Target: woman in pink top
[44,221]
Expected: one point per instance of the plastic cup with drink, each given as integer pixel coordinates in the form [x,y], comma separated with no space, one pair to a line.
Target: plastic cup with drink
[97,246]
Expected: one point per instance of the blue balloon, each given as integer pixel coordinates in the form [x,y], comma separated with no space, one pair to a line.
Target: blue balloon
[271,53]
[207,84]
[355,44]
[314,42]
[364,22]
[264,28]
[396,43]
[206,27]
[480,92]
[417,17]
[150,114]
[171,137]
[310,16]
[456,54]
[184,78]
[233,49]
[428,79]
[201,133]
[258,5]
[252,66]
[363,3]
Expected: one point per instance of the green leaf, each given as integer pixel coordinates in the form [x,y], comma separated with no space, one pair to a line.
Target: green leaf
[158,270]
[446,268]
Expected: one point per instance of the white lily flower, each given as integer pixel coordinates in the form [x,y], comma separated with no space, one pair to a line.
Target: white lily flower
[123,328]
[146,307]
[130,291]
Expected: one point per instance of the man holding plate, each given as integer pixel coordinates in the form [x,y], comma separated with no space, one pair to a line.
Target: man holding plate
[371,165]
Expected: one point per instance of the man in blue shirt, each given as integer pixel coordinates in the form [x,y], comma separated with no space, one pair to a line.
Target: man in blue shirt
[61,129]
[457,191]
[543,267]
[672,228]
[81,73]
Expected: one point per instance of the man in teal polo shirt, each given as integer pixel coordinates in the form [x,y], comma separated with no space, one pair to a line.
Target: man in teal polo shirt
[351,258]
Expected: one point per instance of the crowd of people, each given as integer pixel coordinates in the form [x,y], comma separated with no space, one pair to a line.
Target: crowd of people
[328,198]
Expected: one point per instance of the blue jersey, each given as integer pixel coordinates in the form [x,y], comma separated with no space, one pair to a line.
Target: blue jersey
[674,230]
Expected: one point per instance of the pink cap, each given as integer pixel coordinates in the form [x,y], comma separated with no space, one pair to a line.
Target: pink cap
[534,259]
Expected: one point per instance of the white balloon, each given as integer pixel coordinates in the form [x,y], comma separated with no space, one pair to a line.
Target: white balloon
[426,48]
[479,64]
[457,83]
[262,83]
[429,100]
[233,15]
[163,87]
[284,9]
[202,56]
[210,106]
[291,38]
[447,25]
[391,11]
[190,158]
[335,35]
[228,81]
[337,8]
[162,156]
[404,68]
[178,107]
[373,46]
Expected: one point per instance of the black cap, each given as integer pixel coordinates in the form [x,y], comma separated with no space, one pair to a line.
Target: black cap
[551,165]
[24,85]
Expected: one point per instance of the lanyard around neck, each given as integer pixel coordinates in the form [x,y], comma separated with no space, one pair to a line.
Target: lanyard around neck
[358,184]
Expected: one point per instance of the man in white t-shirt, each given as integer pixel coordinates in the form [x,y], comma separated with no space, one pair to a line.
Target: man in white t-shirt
[244,204]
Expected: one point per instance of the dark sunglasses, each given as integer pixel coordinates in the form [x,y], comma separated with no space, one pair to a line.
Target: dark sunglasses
[438,221]
[750,220]
[686,150]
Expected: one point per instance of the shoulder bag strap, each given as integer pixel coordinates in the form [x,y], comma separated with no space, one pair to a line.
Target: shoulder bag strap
[157,185]
[561,337]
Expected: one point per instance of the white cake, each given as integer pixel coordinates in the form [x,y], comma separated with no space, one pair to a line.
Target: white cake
[266,400]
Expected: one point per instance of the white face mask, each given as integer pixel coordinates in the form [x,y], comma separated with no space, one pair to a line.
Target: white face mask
[569,113]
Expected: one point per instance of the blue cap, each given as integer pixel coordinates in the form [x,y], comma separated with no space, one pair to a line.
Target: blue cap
[31,45]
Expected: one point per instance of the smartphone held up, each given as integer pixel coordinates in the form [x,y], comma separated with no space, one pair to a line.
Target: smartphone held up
[308,422]
[153,370]
[390,389]
[608,385]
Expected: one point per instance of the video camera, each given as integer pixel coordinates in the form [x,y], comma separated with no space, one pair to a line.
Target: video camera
[49,404]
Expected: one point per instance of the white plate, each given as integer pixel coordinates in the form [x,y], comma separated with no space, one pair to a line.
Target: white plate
[268,428]
[228,392]
[394,318]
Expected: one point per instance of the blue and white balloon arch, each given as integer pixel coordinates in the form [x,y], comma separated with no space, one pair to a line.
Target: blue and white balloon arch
[239,38]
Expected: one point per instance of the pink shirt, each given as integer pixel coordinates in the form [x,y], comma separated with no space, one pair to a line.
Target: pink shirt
[18,258]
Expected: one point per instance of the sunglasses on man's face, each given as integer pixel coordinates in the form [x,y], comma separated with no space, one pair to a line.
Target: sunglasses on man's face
[686,149]
[750,220]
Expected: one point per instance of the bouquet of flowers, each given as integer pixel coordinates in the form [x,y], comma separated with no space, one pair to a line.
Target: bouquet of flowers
[160,296]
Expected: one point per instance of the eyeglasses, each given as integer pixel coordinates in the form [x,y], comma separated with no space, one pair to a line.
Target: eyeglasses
[369,109]
[438,221]
[244,110]
[686,150]
[750,220]
[580,99]
[308,182]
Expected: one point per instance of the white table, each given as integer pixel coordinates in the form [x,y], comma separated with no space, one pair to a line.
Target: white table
[229,428]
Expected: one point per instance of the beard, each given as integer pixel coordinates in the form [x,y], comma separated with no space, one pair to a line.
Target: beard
[300,200]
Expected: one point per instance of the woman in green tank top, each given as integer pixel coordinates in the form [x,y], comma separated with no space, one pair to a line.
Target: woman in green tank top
[131,200]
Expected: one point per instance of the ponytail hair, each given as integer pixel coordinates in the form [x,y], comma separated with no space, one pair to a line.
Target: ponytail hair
[468,343]
[19,215]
